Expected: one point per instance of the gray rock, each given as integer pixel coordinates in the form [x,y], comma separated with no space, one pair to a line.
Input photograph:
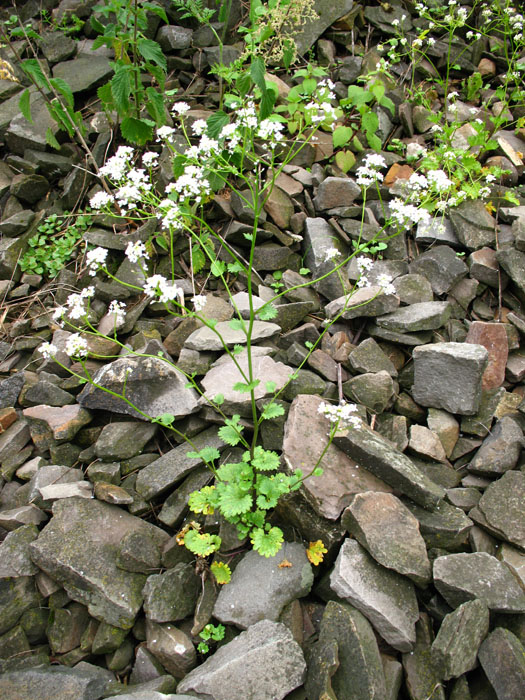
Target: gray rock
[322,660]
[500,509]
[426,444]
[82,683]
[206,339]
[364,302]
[57,46]
[319,236]
[66,627]
[263,662]
[84,72]
[15,560]
[473,224]
[29,188]
[123,440]
[16,596]
[138,553]
[483,266]
[22,134]
[21,515]
[243,602]
[172,467]
[152,385]
[10,389]
[382,18]
[500,450]
[51,474]
[149,695]
[14,439]
[513,262]
[502,657]
[17,224]
[374,390]
[390,533]
[444,527]
[425,316]
[380,457]
[369,357]
[439,230]
[306,35]
[413,289]
[172,647]
[480,423]
[441,266]
[305,438]
[171,596]
[448,376]
[456,645]
[336,192]
[359,675]
[421,676]
[384,597]
[78,548]
[54,425]
[463,577]
[174,38]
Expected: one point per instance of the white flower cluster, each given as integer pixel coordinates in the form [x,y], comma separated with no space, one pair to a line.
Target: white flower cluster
[117,166]
[75,306]
[118,310]
[331,254]
[199,302]
[383,280]
[48,350]
[369,173]
[517,24]
[407,215]
[150,159]
[100,199]
[76,346]
[180,108]
[342,414]
[96,258]
[136,252]
[158,287]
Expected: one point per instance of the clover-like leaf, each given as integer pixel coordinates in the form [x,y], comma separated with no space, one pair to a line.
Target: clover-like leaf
[233,500]
[231,432]
[201,543]
[264,460]
[202,501]
[267,543]
[222,573]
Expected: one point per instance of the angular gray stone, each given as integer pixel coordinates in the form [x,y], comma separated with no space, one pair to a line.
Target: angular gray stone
[173,466]
[384,597]
[174,38]
[502,657]
[360,674]
[171,596]
[319,236]
[374,390]
[16,596]
[84,72]
[441,266]
[500,450]
[83,683]
[449,375]
[206,339]
[138,553]
[243,602]
[439,230]
[390,533]
[78,548]
[263,662]
[364,302]
[456,645]
[368,357]
[336,192]
[500,509]
[425,316]
[152,385]
[473,225]
[305,438]
[14,553]
[513,262]
[421,676]
[444,527]
[306,35]
[123,440]
[463,577]
[379,456]
[172,647]
[413,289]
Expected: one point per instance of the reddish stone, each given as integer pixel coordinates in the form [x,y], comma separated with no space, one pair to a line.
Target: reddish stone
[7,417]
[397,172]
[493,337]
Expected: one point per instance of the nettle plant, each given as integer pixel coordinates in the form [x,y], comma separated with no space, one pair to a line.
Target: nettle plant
[242,151]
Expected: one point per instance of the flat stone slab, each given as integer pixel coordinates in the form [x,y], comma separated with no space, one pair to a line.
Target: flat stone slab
[88,683]
[390,533]
[463,577]
[206,339]
[501,509]
[243,602]
[446,526]
[385,598]
[78,549]
[502,657]
[456,645]
[500,450]
[380,457]
[424,316]
[305,438]
[449,376]
[151,384]
[84,72]
[263,662]
[441,267]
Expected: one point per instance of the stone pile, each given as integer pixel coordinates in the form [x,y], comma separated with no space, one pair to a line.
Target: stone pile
[421,509]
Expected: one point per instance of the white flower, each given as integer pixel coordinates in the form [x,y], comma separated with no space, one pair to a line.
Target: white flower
[165,133]
[48,350]
[199,302]
[158,286]
[117,166]
[385,282]
[76,303]
[150,159]
[76,346]
[406,215]
[439,180]
[136,251]
[180,108]
[341,414]
[59,312]
[118,309]
[331,254]
[100,199]
[364,264]
[171,213]
[96,258]
[199,127]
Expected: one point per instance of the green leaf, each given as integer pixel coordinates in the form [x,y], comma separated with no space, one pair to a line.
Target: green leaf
[341,136]
[207,454]
[257,71]
[231,432]
[270,387]
[373,141]
[273,410]
[239,473]
[218,268]
[203,501]
[218,399]
[121,90]
[264,460]
[269,490]
[223,574]
[202,543]
[235,267]
[370,122]
[51,139]
[243,84]
[198,258]
[289,53]
[105,95]
[203,648]
[387,102]
[304,271]
[267,312]
[136,131]
[216,122]
[233,500]
[266,104]
[237,349]
[24,104]
[267,543]
[165,419]
[32,69]
[155,106]
[151,51]
[64,89]
[345,160]
[244,388]
[236,324]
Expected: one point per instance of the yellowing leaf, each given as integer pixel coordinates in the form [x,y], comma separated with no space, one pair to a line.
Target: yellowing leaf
[315,552]
[285,564]
[221,571]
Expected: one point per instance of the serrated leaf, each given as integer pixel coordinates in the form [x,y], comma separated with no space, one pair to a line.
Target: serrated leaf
[218,399]
[64,89]
[218,268]
[201,543]
[267,543]
[243,84]
[257,71]
[237,349]
[105,95]
[264,460]
[201,501]
[24,104]
[235,267]
[267,312]
[221,571]
[231,432]
[244,388]
[121,90]
[315,552]
[233,500]
[216,122]
[136,131]
[236,324]
[152,52]
[273,410]
[266,104]
[165,419]
[51,139]
[341,136]
[32,69]
[198,258]
[155,106]
[270,387]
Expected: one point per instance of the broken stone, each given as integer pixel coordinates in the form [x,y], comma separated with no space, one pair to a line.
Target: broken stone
[500,509]
[502,657]
[500,450]
[493,337]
